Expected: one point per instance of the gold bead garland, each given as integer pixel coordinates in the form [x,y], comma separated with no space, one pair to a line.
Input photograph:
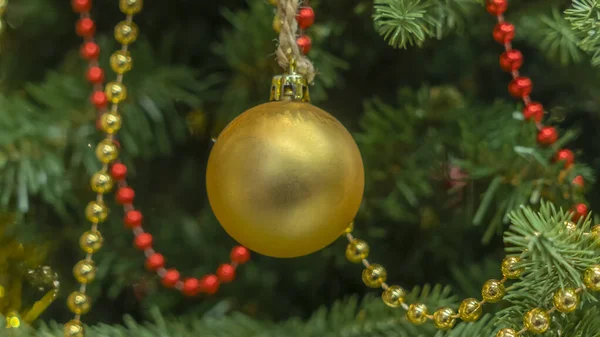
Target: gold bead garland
[101,182]
[535,321]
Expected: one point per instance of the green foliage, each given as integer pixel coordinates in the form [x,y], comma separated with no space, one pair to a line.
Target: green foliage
[584,17]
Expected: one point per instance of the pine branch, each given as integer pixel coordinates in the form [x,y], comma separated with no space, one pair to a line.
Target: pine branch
[584,17]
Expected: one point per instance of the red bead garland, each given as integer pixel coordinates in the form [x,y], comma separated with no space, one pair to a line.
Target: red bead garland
[90,51]
[125,195]
[511,61]
[81,6]
[305,44]
[305,17]
[85,27]
[226,273]
[171,278]
[95,75]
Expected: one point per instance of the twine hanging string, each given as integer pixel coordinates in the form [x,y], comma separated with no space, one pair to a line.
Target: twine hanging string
[288,47]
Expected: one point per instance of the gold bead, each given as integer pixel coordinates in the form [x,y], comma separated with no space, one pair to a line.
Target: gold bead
[101,182]
[537,321]
[73,328]
[507,332]
[444,319]
[110,122]
[79,303]
[13,320]
[566,300]
[126,32]
[570,226]
[350,228]
[357,250]
[91,241]
[509,267]
[96,212]
[277,24]
[469,310]
[107,151]
[115,92]
[595,234]
[84,271]
[131,7]
[417,313]
[591,278]
[393,296]
[374,276]
[121,62]
[493,291]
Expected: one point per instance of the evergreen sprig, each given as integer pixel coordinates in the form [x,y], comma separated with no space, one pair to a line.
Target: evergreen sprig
[584,16]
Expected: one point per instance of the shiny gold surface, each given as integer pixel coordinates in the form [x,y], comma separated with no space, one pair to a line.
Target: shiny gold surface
[285,179]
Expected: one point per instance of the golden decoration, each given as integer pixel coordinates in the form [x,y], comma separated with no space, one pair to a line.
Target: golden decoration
[106,151]
[121,62]
[131,7]
[350,228]
[73,328]
[101,182]
[507,332]
[595,234]
[374,276]
[566,300]
[417,313]
[13,320]
[509,267]
[96,212]
[470,310]
[79,303]
[110,122]
[570,226]
[444,319]
[591,278]
[126,32]
[357,250]
[115,92]
[537,321]
[84,271]
[91,241]
[277,24]
[393,296]
[493,291]
[285,179]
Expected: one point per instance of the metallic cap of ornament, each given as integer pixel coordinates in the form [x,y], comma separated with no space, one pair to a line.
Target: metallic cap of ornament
[290,86]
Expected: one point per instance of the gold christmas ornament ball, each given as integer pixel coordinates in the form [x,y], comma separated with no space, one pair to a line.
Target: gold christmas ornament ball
[417,313]
[493,291]
[444,319]
[285,179]
[357,250]
[101,182]
[509,267]
[91,241]
[507,332]
[79,303]
[374,276]
[537,321]
[566,300]
[591,278]
[84,271]
[470,310]
[126,32]
[131,7]
[393,296]
[73,328]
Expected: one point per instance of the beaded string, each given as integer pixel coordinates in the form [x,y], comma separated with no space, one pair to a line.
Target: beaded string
[305,18]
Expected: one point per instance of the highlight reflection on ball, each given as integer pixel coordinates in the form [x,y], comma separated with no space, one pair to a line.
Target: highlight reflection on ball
[285,179]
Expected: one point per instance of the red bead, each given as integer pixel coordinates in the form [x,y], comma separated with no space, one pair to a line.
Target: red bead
[305,17]
[226,273]
[209,284]
[143,241]
[511,60]
[579,211]
[567,156]
[497,7]
[240,254]
[90,51]
[533,110]
[170,278]
[155,261]
[133,219]
[520,87]
[81,6]
[305,44]
[99,99]
[578,182]
[504,32]
[547,135]
[95,74]
[85,27]
[191,287]
[118,171]
[125,195]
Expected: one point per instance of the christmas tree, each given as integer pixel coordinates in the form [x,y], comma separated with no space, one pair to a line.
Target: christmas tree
[463,183]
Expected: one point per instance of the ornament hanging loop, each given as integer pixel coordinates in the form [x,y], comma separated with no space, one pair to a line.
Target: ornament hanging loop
[290,86]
